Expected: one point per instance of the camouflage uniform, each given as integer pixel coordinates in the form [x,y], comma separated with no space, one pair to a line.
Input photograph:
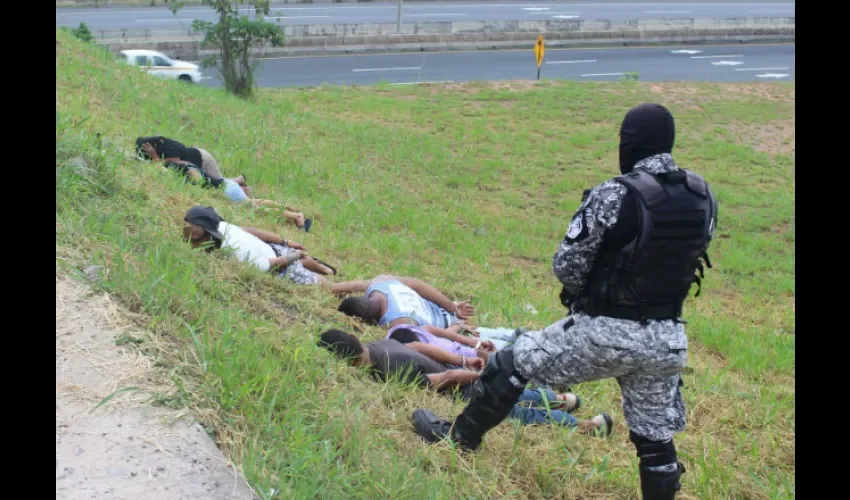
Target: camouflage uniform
[624,282]
[646,357]
[645,360]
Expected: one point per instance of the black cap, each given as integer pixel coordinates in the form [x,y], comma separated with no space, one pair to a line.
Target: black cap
[206,218]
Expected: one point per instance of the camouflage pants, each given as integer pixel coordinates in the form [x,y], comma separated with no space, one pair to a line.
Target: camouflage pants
[645,360]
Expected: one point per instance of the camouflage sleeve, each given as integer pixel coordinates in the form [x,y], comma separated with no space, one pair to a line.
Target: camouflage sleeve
[597,213]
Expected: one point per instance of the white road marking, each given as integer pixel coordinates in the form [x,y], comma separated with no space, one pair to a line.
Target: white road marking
[432,15]
[761,69]
[685,51]
[535,8]
[727,63]
[159,20]
[565,17]
[575,61]
[296,17]
[666,11]
[408,68]
[603,74]
[715,57]
[772,75]
[422,83]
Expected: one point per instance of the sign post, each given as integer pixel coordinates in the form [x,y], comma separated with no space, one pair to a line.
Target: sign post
[539,50]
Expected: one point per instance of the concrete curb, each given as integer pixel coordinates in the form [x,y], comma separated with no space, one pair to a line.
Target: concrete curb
[493,35]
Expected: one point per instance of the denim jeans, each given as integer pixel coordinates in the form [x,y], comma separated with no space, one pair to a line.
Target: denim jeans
[500,337]
[531,410]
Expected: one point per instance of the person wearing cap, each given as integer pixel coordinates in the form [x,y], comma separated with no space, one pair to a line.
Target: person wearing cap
[199,166]
[629,258]
[262,249]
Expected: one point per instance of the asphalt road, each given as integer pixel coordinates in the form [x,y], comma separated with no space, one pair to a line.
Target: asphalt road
[386,12]
[732,63]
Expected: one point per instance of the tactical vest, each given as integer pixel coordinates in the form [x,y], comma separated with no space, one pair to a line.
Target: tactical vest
[650,278]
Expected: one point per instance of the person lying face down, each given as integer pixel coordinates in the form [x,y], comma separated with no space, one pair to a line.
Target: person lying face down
[423,365]
[408,334]
[201,167]
[202,226]
[393,300]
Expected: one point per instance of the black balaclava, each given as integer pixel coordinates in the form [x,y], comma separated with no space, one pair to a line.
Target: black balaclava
[646,130]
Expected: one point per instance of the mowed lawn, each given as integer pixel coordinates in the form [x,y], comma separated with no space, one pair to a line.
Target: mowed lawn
[469,187]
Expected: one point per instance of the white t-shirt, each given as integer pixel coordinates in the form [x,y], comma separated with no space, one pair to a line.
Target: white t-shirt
[246,246]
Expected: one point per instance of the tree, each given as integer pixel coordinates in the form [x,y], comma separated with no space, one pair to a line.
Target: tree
[83,32]
[235,36]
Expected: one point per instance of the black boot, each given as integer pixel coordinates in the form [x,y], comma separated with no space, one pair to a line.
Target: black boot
[432,428]
[659,485]
[492,398]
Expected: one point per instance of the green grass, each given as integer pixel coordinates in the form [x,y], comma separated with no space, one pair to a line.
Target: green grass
[469,187]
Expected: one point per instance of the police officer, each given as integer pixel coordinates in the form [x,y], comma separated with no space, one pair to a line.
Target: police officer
[630,256]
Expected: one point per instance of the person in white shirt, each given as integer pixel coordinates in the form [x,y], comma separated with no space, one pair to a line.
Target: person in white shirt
[263,249]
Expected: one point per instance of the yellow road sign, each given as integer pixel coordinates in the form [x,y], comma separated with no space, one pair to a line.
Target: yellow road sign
[539,50]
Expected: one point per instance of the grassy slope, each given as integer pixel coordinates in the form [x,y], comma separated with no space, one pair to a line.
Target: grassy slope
[469,187]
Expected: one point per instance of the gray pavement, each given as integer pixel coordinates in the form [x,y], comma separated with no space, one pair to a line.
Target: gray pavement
[386,12]
[731,63]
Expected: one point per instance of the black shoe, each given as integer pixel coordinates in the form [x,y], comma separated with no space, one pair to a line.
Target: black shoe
[430,427]
[657,485]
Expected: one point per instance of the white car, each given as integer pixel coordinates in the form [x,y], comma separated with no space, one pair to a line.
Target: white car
[157,63]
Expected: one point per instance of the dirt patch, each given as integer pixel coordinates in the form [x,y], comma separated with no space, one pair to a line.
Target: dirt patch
[126,448]
[775,137]
[476,87]
[674,89]
[759,90]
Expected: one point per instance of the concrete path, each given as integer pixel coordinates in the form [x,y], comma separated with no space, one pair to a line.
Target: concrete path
[126,449]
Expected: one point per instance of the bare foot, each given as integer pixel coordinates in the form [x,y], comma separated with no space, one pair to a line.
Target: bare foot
[311,264]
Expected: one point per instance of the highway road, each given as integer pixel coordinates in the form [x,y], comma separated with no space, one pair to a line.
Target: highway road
[730,63]
[386,12]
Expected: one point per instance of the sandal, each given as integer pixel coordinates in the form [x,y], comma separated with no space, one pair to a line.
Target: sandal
[308,223]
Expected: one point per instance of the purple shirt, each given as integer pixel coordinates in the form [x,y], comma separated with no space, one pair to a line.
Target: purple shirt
[427,337]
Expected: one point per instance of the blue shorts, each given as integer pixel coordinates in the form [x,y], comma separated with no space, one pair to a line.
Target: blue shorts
[234,191]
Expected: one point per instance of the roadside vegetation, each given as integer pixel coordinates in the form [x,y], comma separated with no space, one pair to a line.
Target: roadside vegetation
[468,186]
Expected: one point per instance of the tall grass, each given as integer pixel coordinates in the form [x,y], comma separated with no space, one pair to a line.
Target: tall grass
[469,187]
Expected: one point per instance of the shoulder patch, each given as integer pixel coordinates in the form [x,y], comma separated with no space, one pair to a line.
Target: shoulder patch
[576,226]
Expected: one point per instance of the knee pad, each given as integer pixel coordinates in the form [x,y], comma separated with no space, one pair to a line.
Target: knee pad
[653,453]
[499,378]
[500,367]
